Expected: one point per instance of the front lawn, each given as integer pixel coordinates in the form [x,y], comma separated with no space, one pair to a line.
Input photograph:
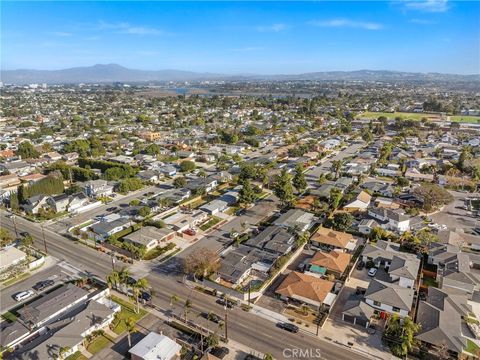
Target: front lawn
[472,347]
[154,253]
[100,342]
[76,356]
[212,222]
[128,311]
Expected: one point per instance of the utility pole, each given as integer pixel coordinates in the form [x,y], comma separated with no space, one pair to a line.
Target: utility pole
[226,324]
[113,262]
[15,225]
[44,240]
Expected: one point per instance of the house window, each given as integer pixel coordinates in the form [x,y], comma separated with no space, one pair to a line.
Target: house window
[395,309]
[377,303]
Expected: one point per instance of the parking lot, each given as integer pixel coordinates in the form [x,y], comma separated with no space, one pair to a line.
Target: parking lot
[56,273]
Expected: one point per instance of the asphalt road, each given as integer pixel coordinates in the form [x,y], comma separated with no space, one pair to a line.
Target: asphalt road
[454,216]
[166,280]
[325,167]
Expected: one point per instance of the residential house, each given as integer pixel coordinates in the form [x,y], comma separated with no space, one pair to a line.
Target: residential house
[155,347]
[395,220]
[295,219]
[330,239]
[367,225]
[59,203]
[389,298]
[150,237]
[94,188]
[11,256]
[401,267]
[181,221]
[103,229]
[240,262]
[274,239]
[361,202]
[326,263]
[306,289]
[441,316]
[33,204]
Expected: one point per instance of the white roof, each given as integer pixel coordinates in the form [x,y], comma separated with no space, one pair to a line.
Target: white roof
[10,256]
[329,299]
[156,347]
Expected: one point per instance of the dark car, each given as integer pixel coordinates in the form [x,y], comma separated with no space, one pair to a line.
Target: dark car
[113,208]
[289,327]
[214,317]
[42,285]
[24,234]
[360,265]
[220,352]
[145,297]
[230,304]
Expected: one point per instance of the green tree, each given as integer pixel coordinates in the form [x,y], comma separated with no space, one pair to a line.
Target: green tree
[283,188]
[299,179]
[246,195]
[27,151]
[336,166]
[342,221]
[131,328]
[433,196]
[187,166]
[335,197]
[402,333]
[144,211]
[6,237]
[179,182]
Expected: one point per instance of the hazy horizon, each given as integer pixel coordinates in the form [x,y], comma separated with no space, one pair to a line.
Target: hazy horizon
[244,37]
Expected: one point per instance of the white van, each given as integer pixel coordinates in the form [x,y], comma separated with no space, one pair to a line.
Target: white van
[23,295]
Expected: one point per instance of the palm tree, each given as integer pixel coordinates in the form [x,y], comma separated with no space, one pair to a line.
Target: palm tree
[113,279]
[186,308]
[124,276]
[137,288]
[130,325]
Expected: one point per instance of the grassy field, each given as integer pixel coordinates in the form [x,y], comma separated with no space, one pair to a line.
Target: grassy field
[213,221]
[418,116]
[128,310]
[472,347]
[99,343]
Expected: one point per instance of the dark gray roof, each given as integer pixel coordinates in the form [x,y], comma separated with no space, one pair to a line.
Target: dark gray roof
[273,239]
[354,306]
[390,294]
[440,317]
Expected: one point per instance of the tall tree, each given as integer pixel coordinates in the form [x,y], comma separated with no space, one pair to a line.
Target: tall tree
[299,178]
[283,188]
[246,195]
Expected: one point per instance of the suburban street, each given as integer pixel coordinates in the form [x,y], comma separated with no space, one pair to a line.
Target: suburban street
[325,167]
[166,280]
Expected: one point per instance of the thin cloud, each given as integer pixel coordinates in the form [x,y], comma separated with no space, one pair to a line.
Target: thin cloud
[432,6]
[346,23]
[126,28]
[272,28]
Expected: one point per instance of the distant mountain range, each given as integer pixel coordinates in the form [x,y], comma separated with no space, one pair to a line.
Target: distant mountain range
[108,73]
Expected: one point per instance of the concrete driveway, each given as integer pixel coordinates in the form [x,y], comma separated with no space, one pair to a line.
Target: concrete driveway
[454,216]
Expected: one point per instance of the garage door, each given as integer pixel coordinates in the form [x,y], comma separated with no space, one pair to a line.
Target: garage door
[348,318]
[362,322]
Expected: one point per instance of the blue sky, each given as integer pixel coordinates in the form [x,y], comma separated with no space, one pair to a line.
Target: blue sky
[244,37]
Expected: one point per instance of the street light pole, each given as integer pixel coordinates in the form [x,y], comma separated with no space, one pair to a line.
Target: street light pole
[44,240]
[15,225]
[226,323]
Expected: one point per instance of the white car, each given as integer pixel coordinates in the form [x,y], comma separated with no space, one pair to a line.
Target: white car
[372,272]
[24,295]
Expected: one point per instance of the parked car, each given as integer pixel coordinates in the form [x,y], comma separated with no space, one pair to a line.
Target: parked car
[360,265]
[145,297]
[42,285]
[10,216]
[24,234]
[23,295]
[230,304]
[289,327]
[113,208]
[220,352]
[190,232]
[372,272]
